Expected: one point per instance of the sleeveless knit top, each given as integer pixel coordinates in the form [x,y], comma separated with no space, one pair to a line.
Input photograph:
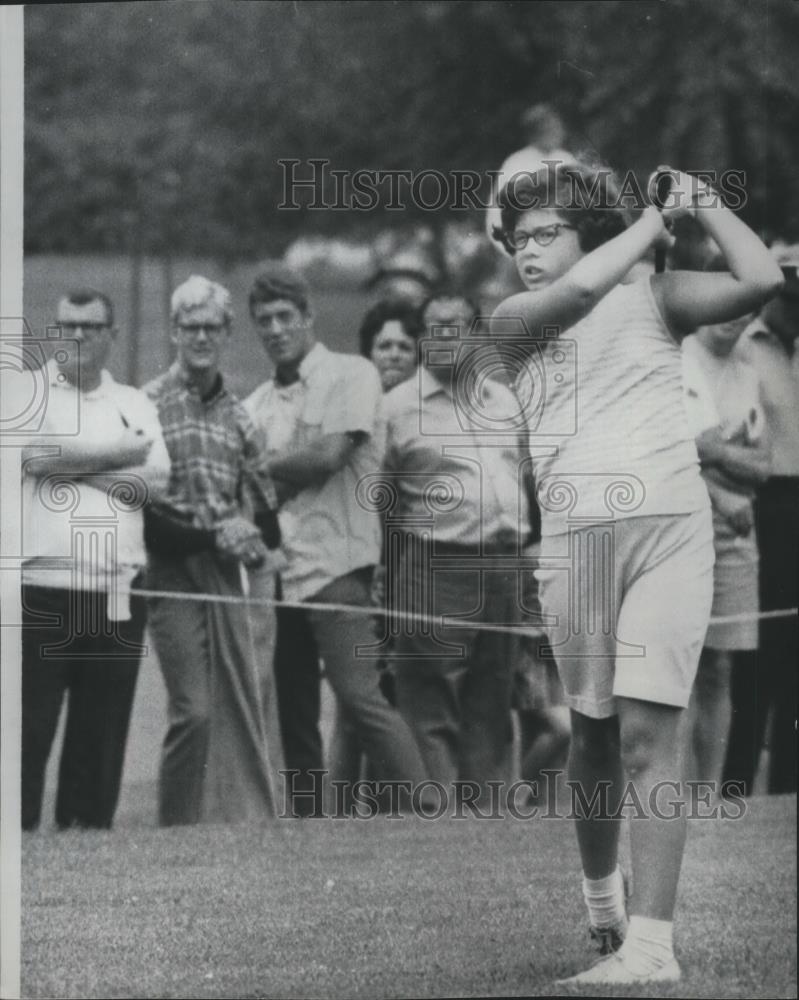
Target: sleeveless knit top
[608,431]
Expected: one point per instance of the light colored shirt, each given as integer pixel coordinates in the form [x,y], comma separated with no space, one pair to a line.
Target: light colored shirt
[779,385]
[326,531]
[723,391]
[76,536]
[700,407]
[472,448]
[608,431]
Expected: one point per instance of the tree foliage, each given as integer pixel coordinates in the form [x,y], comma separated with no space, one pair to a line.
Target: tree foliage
[160,124]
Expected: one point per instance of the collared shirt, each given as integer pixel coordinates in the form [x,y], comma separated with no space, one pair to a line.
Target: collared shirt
[779,382]
[213,443]
[326,530]
[723,391]
[76,536]
[720,390]
[456,464]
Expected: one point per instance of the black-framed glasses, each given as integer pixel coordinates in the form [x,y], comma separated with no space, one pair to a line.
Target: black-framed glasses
[543,235]
[214,331]
[71,327]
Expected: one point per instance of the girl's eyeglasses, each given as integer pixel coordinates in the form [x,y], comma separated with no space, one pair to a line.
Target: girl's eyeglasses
[543,236]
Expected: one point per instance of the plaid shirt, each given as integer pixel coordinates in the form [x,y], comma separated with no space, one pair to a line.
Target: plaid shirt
[218,462]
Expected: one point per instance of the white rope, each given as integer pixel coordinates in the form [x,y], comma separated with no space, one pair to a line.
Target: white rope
[440,620]
[447,621]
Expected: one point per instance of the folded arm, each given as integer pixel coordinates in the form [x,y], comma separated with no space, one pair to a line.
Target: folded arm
[315,462]
[131,456]
[728,461]
[74,458]
[735,509]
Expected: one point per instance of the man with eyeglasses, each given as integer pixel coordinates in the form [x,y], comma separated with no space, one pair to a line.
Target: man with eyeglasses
[95,458]
[455,461]
[218,521]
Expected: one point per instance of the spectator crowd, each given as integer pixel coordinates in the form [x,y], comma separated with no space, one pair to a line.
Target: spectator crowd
[372,519]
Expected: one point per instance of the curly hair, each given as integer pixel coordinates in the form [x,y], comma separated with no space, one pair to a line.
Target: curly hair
[585,197]
[384,312]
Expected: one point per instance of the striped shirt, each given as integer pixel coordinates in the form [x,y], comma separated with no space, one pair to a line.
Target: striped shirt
[609,435]
[212,443]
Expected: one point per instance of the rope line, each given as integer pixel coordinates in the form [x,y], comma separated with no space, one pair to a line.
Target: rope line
[442,620]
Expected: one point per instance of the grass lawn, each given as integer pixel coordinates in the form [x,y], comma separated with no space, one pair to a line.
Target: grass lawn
[380,908]
[348,908]
[383,908]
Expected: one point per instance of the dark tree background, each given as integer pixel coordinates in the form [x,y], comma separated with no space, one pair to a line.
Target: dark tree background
[158,126]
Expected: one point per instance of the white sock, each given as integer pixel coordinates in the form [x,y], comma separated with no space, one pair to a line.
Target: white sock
[648,945]
[604,898]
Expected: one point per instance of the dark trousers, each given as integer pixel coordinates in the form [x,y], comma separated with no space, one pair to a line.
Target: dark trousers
[453,684]
[298,695]
[305,637]
[70,647]
[767,681]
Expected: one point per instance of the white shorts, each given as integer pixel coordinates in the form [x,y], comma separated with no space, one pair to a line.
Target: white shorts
[632,601]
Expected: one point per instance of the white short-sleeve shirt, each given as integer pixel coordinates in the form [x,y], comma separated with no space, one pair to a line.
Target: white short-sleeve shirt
[326,530]
[76,536]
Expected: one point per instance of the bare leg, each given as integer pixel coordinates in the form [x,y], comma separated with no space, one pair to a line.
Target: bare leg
[595,758]
[544,737]
[653,749]
[711,714]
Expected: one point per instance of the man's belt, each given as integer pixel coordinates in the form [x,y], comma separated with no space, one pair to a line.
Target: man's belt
[503,543]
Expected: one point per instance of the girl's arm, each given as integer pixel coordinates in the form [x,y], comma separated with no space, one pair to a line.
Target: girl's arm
[572,296]
[688,299]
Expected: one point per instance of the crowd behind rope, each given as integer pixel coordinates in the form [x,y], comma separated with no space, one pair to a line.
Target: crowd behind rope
[738,396]
[266,497]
